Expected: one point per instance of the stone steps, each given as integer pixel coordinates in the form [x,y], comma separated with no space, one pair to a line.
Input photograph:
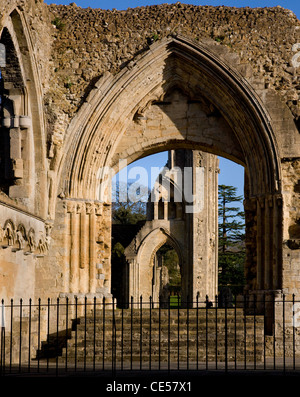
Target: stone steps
[165,338]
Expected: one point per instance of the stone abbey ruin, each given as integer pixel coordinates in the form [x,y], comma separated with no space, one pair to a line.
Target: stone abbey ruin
[191,231]
[83,89]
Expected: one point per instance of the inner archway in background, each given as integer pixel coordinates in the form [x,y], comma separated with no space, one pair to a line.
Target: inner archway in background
[182,209]
[167,276]
[128,218]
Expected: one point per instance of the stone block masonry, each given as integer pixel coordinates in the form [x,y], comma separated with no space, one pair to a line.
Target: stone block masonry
[89,42]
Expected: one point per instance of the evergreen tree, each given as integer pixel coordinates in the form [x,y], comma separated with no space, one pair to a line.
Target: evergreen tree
[231,239]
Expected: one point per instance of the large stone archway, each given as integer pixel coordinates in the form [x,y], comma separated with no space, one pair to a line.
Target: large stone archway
[182,95]
[182,211]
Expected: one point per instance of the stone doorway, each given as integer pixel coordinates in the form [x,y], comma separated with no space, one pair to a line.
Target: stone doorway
[184,215]
[166,281]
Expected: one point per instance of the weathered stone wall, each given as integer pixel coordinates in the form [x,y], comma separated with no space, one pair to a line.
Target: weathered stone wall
[71,48]
[74,46]
[89,42]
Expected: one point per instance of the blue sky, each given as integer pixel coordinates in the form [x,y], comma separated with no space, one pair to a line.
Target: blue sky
[231,173]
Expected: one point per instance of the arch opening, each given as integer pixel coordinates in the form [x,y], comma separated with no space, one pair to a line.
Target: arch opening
[212,91]
[177,208]
[166,279]
[231,228]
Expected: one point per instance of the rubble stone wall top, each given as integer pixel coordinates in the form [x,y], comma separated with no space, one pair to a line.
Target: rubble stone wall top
[73,47]
[89,42]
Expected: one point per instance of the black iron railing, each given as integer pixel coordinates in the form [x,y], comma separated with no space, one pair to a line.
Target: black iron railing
[246,333]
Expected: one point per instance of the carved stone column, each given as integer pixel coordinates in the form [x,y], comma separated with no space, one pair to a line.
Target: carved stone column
[74,247]
[264,243]
[91,213]
[15,152]
[85,272]
[166,210]
[155,210]
[277,241]
[83,237]
[134,281]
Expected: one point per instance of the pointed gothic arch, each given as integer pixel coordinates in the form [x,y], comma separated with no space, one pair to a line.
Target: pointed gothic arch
[174,62]
[23,117]
[115,124]
[141,260]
